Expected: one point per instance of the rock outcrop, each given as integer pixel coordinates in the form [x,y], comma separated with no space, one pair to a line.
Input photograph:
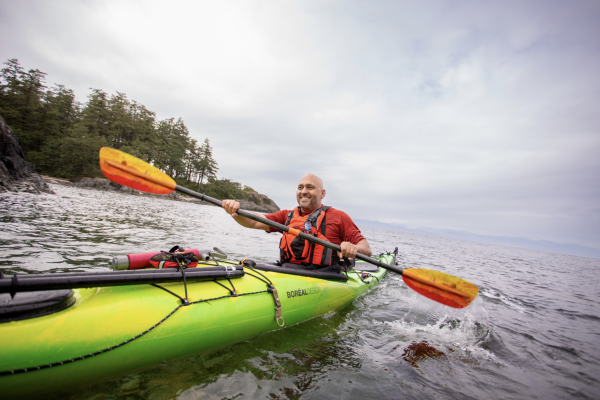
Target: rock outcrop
[255,202]
[17,174]
[259,202]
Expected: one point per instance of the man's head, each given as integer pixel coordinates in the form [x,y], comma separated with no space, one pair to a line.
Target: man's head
[310,193]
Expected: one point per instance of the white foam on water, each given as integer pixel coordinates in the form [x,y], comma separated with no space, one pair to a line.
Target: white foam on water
[456,332]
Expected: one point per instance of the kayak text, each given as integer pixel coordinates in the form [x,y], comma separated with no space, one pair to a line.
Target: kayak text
[303,292]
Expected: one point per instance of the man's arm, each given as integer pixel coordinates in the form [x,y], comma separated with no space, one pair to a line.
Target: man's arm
[231,207]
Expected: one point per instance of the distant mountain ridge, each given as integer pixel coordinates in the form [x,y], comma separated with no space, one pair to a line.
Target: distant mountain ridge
[543,245]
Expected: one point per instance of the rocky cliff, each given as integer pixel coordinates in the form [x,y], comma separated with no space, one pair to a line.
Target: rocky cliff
[16,174]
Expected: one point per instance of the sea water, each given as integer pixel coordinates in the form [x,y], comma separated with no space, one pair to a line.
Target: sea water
[533,331]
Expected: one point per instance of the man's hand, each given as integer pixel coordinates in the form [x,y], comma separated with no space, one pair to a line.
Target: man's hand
[231,207]
[349,250]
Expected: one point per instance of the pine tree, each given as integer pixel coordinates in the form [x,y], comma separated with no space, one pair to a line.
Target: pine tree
[21,104]
[172,146]
[206,166]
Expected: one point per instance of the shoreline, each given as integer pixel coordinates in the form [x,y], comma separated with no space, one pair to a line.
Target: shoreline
[106,185]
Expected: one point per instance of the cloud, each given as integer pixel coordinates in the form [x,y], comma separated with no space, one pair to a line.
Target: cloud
[463,115]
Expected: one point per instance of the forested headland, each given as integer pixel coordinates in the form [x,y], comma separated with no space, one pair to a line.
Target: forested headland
[61,137]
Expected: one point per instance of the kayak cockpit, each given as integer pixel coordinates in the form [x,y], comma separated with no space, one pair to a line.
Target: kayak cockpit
[24,305]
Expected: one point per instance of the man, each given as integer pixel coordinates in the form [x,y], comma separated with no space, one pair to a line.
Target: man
[325,222]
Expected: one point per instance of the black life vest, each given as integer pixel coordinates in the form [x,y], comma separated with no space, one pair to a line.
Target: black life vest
[296,250]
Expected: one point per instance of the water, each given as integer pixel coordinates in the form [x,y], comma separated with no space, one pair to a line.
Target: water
[533,332]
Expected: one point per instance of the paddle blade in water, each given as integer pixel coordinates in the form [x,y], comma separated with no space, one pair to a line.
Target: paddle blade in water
[440,287]
[129,171]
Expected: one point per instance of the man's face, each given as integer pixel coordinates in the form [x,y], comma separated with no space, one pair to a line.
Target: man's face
[310,193]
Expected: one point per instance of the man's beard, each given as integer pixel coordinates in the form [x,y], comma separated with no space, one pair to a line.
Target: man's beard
[311,205]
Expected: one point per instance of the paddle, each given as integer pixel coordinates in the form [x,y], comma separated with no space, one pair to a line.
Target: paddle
[129,171]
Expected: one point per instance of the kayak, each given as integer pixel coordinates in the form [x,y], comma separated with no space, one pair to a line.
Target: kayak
[87,335]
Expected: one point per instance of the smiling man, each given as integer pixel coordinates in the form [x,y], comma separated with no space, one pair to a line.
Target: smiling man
[312,217]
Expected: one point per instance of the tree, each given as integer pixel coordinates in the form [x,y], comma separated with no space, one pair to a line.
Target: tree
[74,155]
[205,164]
[62,110]
[171,147]
[22,104]
[9,91]
[96,114]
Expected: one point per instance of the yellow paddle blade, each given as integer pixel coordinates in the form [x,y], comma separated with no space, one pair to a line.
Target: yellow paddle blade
[130,171]
[438,286]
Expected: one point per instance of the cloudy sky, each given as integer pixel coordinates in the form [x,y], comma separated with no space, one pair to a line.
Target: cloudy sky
[471,115]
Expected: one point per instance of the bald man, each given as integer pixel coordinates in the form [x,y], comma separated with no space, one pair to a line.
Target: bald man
[335,225]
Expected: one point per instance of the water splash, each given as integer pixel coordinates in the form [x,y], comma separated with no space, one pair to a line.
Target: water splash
[456,333]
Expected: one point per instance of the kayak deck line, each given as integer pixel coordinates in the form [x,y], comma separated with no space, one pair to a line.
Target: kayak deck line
[43,282]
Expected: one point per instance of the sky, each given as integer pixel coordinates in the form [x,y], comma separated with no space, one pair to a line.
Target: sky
[469,115]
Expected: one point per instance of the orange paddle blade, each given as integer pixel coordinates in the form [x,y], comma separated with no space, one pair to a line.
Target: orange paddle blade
[440,287]
[130,171]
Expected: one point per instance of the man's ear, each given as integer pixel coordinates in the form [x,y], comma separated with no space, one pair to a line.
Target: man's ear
[323,194]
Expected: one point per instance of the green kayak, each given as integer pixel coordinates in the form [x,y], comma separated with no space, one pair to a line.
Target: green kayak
[91,334]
